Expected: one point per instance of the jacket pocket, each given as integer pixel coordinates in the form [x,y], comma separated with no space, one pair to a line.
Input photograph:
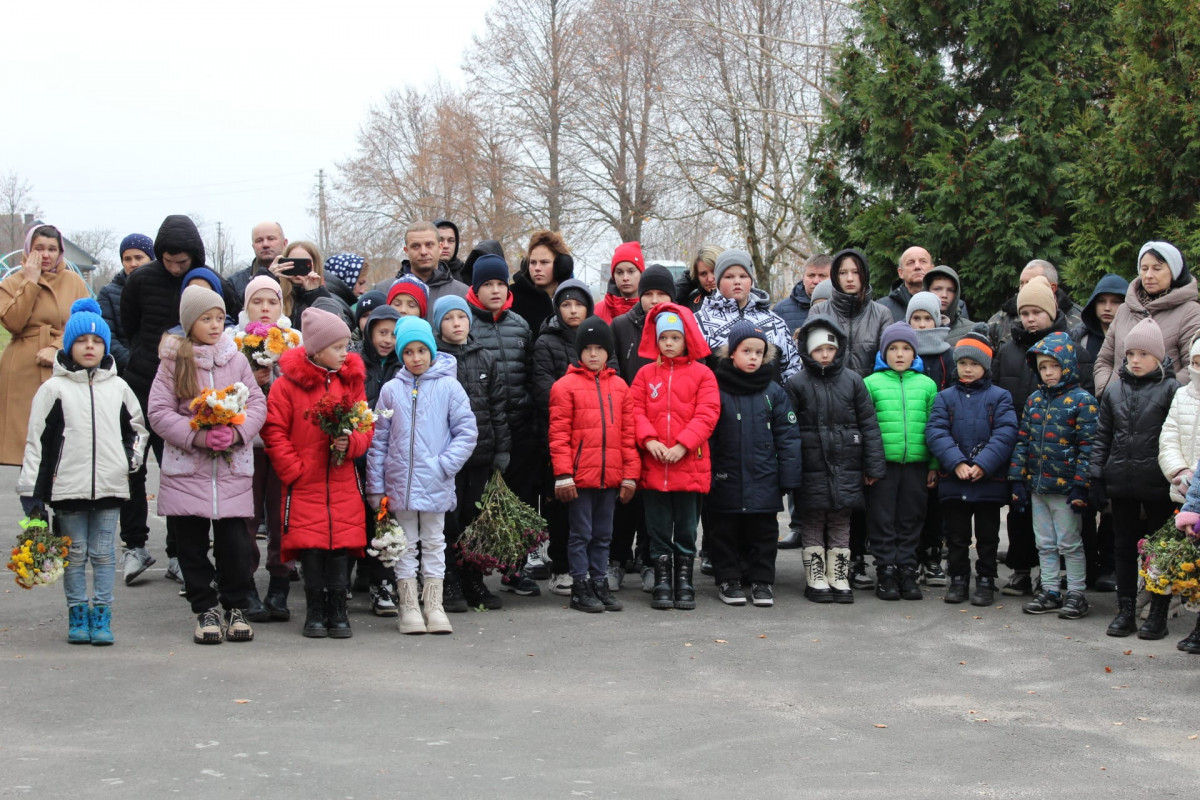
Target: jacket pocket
[179,462]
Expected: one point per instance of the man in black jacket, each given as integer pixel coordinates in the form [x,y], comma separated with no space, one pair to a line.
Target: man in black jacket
[914,263]
[268,242]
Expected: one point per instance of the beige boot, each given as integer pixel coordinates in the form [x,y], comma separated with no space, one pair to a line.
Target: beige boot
[838,564]
[435,616]
[816,588]
[411,620]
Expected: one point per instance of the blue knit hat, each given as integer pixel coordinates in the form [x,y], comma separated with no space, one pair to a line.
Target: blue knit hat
[489,268]
[137,241]
[668,321]
[742,330]
[205,274]
[85,318]
[415,329]
[898,332]
[444,306]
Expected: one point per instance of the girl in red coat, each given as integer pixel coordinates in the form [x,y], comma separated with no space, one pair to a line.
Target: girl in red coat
[323,517]
[676,404]
[594,454]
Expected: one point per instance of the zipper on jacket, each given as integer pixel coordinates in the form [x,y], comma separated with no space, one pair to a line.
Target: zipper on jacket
[670,394]
[92,398]
[603,433]
[833,484]
[903,420]
[212,381]
[328,475]
[412,441]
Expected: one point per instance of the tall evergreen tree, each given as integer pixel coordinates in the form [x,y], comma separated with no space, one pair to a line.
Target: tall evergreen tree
[949,129]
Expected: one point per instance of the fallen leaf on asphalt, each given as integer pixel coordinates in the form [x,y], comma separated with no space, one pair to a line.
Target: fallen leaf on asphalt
[962,611]
[972,711]
[981,719]
[962,663]
[877,725]
[999,606]
[814,640]
[1118,723]
[1031,691]
[687,644]
[18,656]
[978,617]
[1143,719]
[762,636]
[720,641]
[1128,653]
[1066,637]
[241,702]
[1108,669]
[1193,736]
[530,655]
[1150,656]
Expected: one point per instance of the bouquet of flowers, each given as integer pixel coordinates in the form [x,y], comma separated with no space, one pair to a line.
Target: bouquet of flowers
[40,557]
[389,541]
[505,531]
[1171,564]
[213,407]
[263,344]
[341,416]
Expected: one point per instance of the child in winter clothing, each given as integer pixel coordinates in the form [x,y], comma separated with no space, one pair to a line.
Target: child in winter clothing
[323,518]
[207,475]
[409,295]
[676,403]
[362,311]
[464,587]
[1049,472]
[413,460]
[1125,466]
[628,264]
[971,432]
[593,450]
[896,509]
[841,449]
[1188,521]
[755,450]
[1179,442]
[84,408]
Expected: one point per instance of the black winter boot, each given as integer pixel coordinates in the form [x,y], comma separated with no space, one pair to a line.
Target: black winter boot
[909,588]
[663,596]
[1192,643]
[956,592]
[453,599]
[887,584]
[1155,626]
[314,617]
[583,598]
[336,621]
[985,591]
[685,593]
[276,602]
[1125,622]
[605,595]
[475,590]
[255,611]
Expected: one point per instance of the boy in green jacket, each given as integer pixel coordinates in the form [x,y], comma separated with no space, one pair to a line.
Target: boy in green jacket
[896,503]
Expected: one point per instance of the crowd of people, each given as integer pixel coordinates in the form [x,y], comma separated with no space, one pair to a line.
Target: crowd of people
[895,429]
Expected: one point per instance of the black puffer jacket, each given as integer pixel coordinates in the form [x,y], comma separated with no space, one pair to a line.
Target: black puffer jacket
[553,352]
[379,370]
[627,333]
[109,298]
[755,445]
[840,440]
[150,302]
[860,317]
[486,391]
[509,341]
[1132,412]
[1011,370]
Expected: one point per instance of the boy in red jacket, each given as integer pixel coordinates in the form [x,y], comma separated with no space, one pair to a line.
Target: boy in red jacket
[594,454]
[676,403]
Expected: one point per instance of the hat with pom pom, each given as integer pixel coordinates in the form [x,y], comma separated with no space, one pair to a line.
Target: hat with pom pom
[85,318]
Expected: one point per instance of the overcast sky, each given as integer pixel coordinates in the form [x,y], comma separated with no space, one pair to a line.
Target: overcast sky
[121,113]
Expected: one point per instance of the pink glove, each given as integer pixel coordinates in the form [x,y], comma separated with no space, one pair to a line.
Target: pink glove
[1186,519]
[219,438]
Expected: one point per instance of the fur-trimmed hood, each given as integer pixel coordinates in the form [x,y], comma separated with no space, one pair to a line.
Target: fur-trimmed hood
[300,369]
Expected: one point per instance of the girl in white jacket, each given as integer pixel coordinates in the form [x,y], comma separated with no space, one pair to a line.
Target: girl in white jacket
[1179,442]
[86,435]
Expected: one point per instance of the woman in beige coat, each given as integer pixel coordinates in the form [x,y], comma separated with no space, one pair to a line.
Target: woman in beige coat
[35,302]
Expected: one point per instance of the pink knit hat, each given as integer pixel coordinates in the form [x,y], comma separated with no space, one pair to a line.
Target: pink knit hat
[321,329]
[257,284]
[1146,335]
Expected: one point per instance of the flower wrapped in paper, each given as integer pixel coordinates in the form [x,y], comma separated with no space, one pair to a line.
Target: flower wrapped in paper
[40,557]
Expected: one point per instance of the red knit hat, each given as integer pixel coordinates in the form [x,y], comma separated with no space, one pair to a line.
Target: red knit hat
[412,286]
[631,252]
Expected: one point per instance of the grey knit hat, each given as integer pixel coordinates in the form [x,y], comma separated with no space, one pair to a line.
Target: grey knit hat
[733,258]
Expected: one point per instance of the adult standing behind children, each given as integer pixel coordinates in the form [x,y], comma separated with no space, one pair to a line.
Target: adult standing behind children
[135,250]
[423,254]
[547,263]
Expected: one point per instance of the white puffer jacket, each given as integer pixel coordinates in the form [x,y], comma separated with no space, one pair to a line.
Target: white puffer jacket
[86,435]
[1179,441]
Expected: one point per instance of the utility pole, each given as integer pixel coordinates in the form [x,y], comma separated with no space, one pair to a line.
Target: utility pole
[220,252]
[322,216]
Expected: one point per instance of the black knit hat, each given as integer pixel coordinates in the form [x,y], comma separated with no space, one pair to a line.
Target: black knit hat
[594,330]
[657,277]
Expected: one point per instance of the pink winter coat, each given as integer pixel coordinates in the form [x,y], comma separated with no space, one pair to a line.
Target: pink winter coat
[195,482]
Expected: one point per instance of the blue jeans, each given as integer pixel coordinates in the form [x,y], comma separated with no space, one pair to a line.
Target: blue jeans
[92,533]
[1058,531]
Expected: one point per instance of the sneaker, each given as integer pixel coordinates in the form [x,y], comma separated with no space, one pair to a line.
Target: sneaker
[520,585]
[137,560]
[208,627]
[614,575]
[647,579]
[535,566]
[762,595]
[1045,602]
[731,594]
[932,574]
[706,567]
[561,584]
[382,602]
[261,533]
[235,627]
[1018,584]
[174,573]
[1074,607]
[859,579]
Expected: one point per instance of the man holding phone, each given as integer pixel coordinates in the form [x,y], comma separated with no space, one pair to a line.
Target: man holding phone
[424,261]
[268,241]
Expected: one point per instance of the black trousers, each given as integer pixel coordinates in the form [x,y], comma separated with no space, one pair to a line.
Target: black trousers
[135,512]
[933,531]
[896,514]
[957,516]
[1098,545]
[231,550]
[468,490]
[1128,529]
[742,546]
[629,527]
[1022,547]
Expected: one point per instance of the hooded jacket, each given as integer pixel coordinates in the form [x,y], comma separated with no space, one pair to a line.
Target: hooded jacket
[973,424]
[484,247]
[322,505]
[530,302]
[150,301]
[592,437]
[1004,322]
[676,401]
[1177,313]
[554,351]
[627,335]
[903,403]
[1179,441]
[195,481]
[506,336]
[109,298]
[755,445]
[860,317]
[378,369]
[720,313]
[956,316]
[1090,333]
[1132,413]
[793,309]
[840,442]
[485,391]
[454,264]
[86,434]
[1011,369]
[417,452]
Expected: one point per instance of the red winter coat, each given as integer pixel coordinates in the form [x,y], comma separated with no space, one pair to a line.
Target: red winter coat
[322,505]
[592,429]
[676,401]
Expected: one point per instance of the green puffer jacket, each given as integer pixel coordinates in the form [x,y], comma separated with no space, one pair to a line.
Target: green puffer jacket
[903,402]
